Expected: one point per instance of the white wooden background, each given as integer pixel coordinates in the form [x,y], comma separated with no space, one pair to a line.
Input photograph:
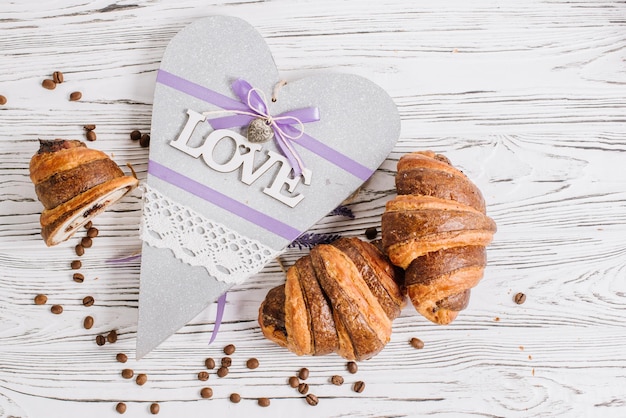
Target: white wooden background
[527,97]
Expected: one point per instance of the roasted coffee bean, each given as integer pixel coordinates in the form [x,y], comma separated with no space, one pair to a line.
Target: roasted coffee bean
[88,225]
[121,357]
[120,407]
[101,340]
[92,232]
[3,100]
[519,298]
[227,362]
[75,96]
[76,264]
[303,373]
[209,363]
[88,301]
[358,386]
[41,299]
[229,349]
[371,233]
[336,380]
[57,77]
[141,379]
[144,141]
[112,337]
[49,84]
[135,135]
[294,381]
[303,388]
[56,309]
[154,408]
[88,322]
[311,399]
[91,136]
[203,376]
[416,343]
[78,278]
[222,371]
[206,393]
[264,402]
[352,367]
[128,373]
[86,242]
[235,397]
[89,127]
[252,363]
[79,249]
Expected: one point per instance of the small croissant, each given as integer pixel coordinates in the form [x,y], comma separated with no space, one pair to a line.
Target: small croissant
[341,298]
[436,229]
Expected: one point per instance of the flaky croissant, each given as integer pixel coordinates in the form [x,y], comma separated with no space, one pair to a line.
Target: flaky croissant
[74,184]
[436,229]
[342,298]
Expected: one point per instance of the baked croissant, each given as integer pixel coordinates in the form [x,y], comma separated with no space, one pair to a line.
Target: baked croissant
[436,229]
[342,298]
[74,184]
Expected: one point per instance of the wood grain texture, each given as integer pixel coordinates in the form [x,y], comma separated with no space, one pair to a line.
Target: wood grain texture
[527,98]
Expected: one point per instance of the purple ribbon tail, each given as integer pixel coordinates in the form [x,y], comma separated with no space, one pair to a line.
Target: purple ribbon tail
[125,259]
[221,305]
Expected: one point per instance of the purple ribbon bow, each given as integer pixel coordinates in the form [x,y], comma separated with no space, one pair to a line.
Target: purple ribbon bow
[254,106]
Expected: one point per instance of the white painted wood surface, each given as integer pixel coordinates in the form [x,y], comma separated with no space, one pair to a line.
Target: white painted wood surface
[528,98]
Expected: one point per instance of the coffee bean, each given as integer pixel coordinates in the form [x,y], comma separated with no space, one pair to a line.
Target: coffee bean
[90,127]
[3,100]
[56,309]
[78,278]
[57,77]
[141,379]
[91,136]
[121,357]
[235,397]
[79,249]
[128,373]
[48,84]
[311,399]
[135,135]
[229,349]
[358,386]
[76,264]
[303,388]
[294,381]
[206,393]
[416,343]
[120,407]
[227,362]
[209,363]
[41,299]
[222,371]
[264,402]
[371,233]
[144,141]
[154,408]
[203,376]
[303,373]
[86,242]
[336,380]
[519,298]
[88,225]
[112,337]
[88,301]
[352,367]
[101,340]
[75,96]
[88,322]
[92,232]
[252,363]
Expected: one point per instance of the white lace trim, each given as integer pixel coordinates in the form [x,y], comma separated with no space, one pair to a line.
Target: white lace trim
[227,255]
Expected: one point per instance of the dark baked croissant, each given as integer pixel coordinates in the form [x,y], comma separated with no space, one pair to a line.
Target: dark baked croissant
[74,184]
[342,298]
[436,229]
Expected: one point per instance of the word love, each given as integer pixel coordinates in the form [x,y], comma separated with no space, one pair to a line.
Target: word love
[283,185]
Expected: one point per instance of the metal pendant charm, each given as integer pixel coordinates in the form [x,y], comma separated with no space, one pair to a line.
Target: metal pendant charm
[259,131]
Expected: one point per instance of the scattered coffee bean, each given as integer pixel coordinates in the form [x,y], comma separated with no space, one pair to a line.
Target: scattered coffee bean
[3,100]
[336,380]
[91,136]
[76,264]
[235,397]
[519,298]
[92,232]
[358,386]
[101,340]
[79,249]
[371,233]
[144,141]
[90,127]
[154,408]
[264,402]
[88,322]
[86,242]
[352,367]
[135,135]
[206,393]
[41,299]
[56,309]
[311,399]
[78,278]
[112,337]
[120,407]
[49,84]
[303,388]
[203,376]
[294,381]
[57,77]
[141,379]
[88,225]
[209,363]
[121,357]
[227,362]
[222,371]
[416,343]
[88,301]
[252,363]
[128,373]
[229,349]
[75,96]
[303,373]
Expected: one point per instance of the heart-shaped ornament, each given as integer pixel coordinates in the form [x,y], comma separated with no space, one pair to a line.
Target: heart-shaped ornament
[225,195]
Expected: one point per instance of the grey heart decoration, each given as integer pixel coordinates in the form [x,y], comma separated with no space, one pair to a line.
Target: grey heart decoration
[218,207]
